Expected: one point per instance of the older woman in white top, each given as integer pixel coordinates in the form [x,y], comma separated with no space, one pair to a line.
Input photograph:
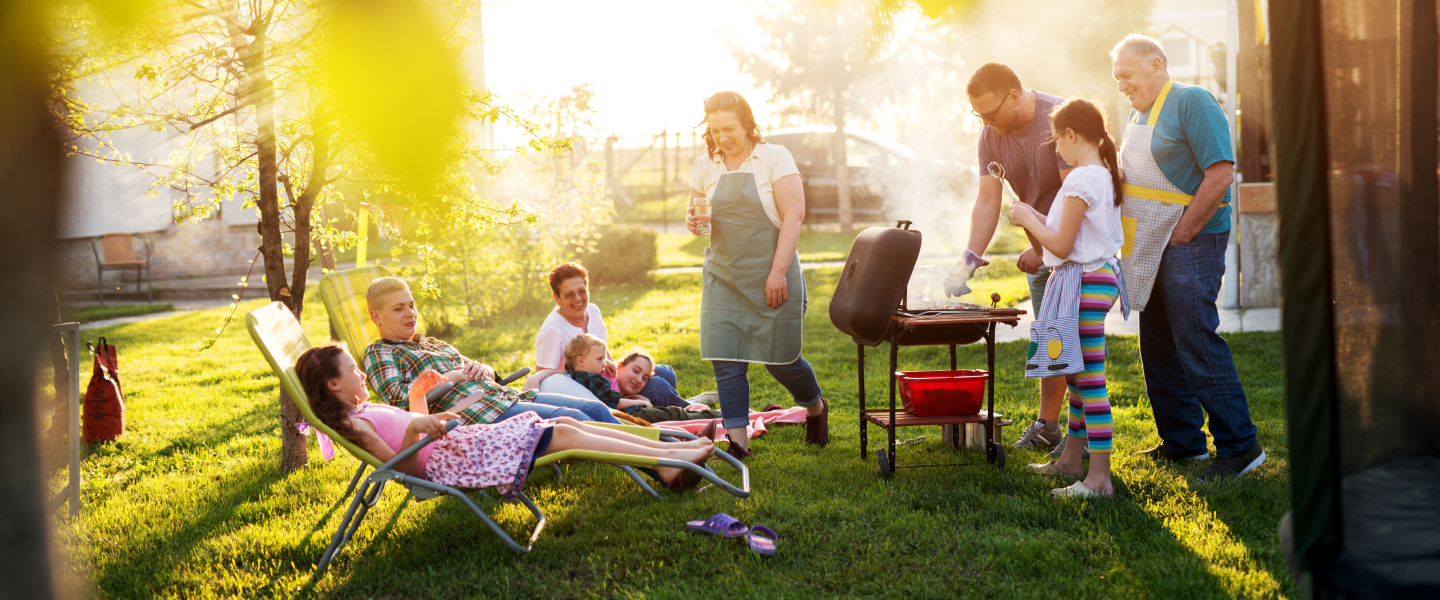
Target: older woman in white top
[572,316]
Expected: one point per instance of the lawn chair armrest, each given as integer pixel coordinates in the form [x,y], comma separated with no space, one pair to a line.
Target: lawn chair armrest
[438,392]
[415,447]
[513,376]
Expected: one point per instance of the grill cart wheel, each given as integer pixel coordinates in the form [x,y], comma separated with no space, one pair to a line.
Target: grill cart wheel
[997,455]
[883,461]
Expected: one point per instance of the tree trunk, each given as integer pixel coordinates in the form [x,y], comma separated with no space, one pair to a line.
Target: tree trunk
[31,163]
[257,86]
[842,169]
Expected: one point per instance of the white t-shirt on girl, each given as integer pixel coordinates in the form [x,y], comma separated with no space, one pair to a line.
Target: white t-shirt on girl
[555,332]
[767,161]
[1100,236]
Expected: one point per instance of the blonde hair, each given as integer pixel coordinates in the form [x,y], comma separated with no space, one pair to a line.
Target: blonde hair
[1143,46]
[382,287]
[578,346]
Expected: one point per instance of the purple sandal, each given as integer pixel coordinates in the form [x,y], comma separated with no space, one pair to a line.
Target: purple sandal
[762,540]
[721,524]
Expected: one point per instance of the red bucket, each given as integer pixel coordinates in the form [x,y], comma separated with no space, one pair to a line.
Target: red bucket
[942,393]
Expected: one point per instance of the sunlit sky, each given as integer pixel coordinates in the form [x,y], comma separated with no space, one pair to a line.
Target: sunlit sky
[651,62]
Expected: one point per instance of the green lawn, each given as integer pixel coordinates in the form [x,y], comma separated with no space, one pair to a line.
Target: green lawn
[190,503]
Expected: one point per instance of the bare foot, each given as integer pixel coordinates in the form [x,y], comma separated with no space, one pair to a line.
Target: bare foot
[674,477]
[1101,485]
[1068,470]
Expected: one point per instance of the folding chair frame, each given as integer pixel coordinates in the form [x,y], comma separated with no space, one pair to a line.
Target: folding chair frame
[275,319]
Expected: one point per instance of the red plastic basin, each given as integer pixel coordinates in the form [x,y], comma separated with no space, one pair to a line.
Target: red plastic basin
[942,393]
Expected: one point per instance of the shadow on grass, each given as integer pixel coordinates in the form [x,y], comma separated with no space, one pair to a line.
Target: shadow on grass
[149,563]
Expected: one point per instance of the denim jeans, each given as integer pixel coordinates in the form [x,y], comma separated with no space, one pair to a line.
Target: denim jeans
[732,382]
[549,406]
[1189,372]
[660,390]
[1037,288]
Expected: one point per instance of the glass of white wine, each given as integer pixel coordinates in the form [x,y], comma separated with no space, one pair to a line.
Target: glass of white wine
[700,207]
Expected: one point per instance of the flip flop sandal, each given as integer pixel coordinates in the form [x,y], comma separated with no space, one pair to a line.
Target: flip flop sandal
[772,406]
[721,524]
[762,540]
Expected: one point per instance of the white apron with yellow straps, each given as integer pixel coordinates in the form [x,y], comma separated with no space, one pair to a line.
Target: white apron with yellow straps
[1153,206]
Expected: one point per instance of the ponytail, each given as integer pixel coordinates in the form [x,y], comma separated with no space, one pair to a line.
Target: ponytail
[1109,155]
[1087,119]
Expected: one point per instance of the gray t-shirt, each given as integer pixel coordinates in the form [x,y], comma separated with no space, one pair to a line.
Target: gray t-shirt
[1032,166]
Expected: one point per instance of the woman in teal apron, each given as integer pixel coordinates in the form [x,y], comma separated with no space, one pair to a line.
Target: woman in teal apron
[752,306]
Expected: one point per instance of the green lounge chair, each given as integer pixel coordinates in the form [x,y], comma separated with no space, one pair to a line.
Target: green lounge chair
[281,340]
[343,294]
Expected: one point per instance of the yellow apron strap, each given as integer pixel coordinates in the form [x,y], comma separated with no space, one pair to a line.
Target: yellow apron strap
[1159,104]
[1160,195]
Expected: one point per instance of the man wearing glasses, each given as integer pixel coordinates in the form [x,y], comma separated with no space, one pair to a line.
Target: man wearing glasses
[1016,138]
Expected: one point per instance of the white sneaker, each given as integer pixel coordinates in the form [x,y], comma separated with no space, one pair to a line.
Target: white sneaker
[706,398]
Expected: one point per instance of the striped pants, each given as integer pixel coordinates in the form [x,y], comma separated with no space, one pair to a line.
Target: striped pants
[1090,417]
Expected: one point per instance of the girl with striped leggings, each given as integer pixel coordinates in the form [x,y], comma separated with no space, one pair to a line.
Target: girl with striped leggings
[1085,231]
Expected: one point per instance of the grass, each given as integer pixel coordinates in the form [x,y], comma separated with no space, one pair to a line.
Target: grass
[190,503]
[685,250]
[88,313]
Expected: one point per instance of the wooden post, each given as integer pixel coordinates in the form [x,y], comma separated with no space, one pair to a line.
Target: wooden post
[1253,58]
[664,178]
[842,169]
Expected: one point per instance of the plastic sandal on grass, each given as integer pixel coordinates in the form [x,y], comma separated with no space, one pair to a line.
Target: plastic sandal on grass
[762,540]
[721,524]
[1076,490]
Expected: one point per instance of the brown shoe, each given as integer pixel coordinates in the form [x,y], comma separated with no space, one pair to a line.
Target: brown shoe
[817,428]
[740,453]
[709,431]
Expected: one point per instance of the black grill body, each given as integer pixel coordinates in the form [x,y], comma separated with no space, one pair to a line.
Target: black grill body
[874,282]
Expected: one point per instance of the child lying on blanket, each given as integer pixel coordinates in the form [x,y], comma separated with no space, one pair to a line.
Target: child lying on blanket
[584,361]
[497,455]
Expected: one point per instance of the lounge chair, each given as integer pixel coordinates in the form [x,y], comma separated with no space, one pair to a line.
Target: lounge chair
[343,294]
[281,340]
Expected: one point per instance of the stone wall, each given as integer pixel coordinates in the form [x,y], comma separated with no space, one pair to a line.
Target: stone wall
[202,249]
[1259,252]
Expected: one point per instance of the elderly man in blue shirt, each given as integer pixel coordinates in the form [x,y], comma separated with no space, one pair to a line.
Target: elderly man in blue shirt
[1178,167]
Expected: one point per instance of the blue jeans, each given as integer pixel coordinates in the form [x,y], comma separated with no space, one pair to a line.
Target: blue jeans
[1189,372]
[660,390]
[1037,288]
[732,382]
[549,406]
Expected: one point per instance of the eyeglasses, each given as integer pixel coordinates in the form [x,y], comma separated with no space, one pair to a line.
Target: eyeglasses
[712,104]
[997,109]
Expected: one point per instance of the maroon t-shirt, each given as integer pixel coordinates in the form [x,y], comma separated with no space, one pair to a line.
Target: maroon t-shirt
[1032,166]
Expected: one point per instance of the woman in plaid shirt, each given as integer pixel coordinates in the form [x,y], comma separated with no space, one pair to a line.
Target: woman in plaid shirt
[401,354]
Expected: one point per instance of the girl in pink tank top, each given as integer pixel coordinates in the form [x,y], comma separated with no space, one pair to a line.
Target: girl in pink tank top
[497,455]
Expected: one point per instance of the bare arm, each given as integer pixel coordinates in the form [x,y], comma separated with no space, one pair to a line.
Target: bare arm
[432,425]
[1060,243]
[790,202]
[985,216]
[1206,201]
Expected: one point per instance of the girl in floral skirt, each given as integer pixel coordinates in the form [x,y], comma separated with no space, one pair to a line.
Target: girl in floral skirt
[498,455]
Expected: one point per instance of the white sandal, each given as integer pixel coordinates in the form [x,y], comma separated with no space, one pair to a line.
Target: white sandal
[1076,490]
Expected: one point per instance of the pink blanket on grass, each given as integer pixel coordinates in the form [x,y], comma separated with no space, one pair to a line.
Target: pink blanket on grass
[756,428]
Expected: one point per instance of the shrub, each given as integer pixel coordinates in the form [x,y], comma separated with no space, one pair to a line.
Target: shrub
[623,254]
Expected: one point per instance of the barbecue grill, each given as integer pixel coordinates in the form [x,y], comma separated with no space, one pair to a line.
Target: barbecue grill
[869,305]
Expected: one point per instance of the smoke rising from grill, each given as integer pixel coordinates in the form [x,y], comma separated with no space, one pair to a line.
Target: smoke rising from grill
[1057,48]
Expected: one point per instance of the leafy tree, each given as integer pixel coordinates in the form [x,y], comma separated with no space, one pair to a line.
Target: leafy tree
[814,56]
[289,104]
